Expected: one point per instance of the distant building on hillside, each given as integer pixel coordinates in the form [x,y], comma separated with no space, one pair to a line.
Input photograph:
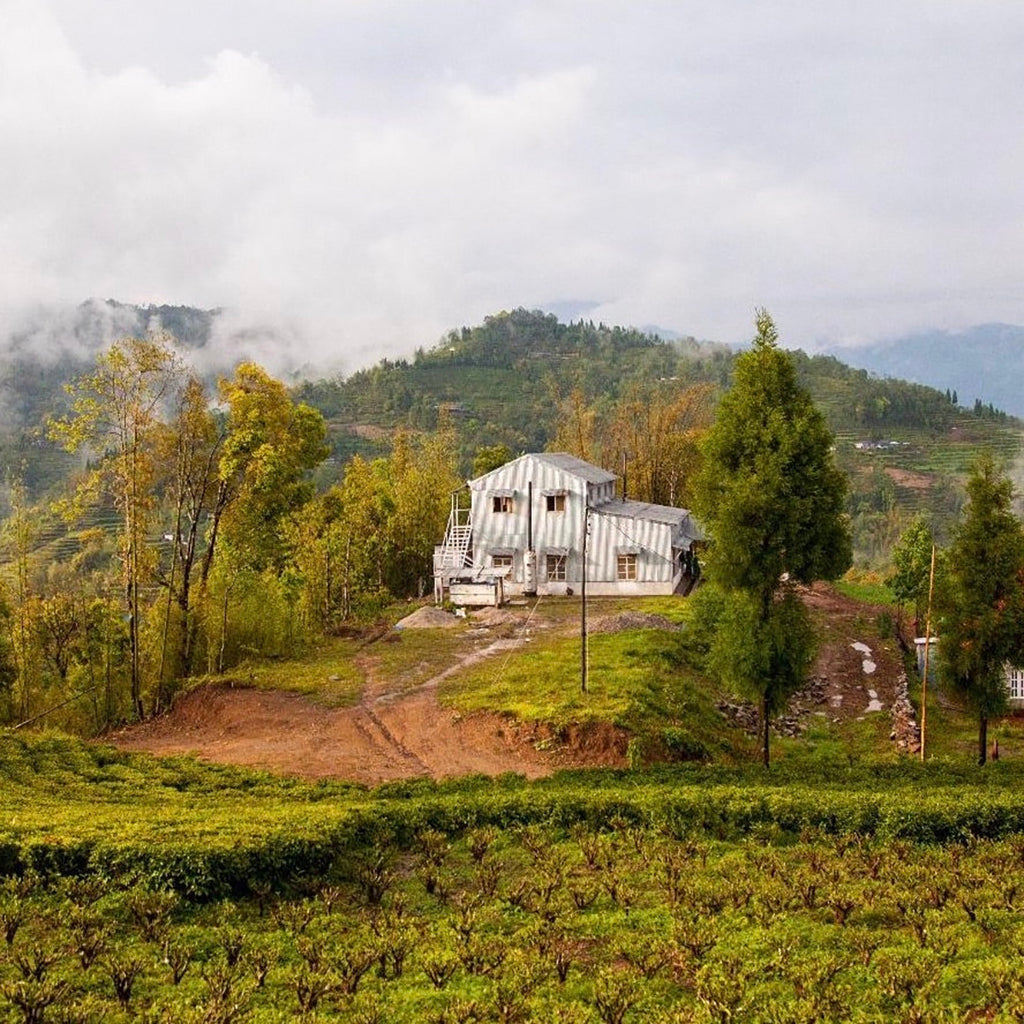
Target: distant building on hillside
[522,532]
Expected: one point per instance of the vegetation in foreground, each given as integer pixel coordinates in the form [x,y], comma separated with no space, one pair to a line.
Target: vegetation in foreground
[880,891]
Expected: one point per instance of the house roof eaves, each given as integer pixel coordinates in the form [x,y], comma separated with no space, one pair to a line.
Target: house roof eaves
[560,460]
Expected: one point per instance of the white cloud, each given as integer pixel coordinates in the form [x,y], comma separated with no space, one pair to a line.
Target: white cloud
[365,176]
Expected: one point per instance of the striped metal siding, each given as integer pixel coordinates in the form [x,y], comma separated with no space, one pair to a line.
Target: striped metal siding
[651,541]
[509,529]
[558,530]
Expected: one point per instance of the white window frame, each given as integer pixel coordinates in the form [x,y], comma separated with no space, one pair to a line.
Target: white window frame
[555,502]
[625,567]
[554,566]
[501,504]
[1015,683]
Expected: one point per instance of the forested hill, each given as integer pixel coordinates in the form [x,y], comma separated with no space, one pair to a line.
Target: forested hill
[506,381]
[517,378]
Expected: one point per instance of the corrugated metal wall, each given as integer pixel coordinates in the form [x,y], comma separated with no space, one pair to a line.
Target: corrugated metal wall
[554,531]
[505,530]
[611,535]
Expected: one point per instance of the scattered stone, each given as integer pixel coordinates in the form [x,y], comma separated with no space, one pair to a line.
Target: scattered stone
[746,716]
[865,652]
[905,732]
[741,714]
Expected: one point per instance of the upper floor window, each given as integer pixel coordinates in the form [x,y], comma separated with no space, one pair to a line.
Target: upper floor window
[501,503]
[555,502]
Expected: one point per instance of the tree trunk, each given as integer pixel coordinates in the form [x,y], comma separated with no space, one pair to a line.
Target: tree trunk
[982,738]
[764,728]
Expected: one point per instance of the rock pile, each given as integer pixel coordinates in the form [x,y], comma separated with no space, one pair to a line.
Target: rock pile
[905,733]
[747,717]
[743,715]
[812,695]
[428,617]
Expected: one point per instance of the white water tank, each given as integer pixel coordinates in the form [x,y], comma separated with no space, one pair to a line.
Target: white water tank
[530,572]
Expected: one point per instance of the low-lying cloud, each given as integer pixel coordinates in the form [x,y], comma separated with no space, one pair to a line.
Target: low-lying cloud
[350,181]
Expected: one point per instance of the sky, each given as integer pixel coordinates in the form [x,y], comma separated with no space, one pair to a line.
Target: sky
[363,175]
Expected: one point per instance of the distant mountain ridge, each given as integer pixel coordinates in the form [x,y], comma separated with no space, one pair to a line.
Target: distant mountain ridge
[985,362]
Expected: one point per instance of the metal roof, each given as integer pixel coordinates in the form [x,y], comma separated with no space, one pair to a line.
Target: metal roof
[559,460]
[592,474]
[655,513]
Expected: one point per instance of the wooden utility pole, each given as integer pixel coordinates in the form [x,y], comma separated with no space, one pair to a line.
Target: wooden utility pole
[927,648]
[583,600]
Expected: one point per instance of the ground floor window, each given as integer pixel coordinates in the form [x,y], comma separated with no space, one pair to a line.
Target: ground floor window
[627,567]
[1015,683]
[555,566]
[501,561]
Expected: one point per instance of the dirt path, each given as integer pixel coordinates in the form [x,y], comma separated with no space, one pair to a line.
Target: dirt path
[388,735]
[396,733]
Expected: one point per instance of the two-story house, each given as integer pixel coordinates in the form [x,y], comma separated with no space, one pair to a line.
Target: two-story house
[542,522]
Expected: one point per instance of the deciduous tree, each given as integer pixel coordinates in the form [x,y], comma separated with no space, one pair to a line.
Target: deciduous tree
[653,440]
[115,411]
[911,567]
[189,447]
[271,443]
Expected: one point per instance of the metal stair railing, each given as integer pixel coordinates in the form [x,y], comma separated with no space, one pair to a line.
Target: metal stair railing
[454,552]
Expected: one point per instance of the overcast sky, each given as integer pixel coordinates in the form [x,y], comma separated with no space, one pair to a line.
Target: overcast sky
[366,174]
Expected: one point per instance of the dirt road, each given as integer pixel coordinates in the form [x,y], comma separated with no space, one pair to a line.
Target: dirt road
[387,736]
[396,734]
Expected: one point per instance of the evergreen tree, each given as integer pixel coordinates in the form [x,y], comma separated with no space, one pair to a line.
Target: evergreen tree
[981,598]
[771,497]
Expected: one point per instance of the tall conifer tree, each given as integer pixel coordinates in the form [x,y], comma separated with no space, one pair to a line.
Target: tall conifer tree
[771,497]
[981,598]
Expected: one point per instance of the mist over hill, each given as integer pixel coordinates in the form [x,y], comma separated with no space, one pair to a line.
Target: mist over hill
[216,339]
[984,362]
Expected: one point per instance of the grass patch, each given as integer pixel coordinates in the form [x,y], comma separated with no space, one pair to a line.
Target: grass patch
[862,585]
[636,679]
[406,658]
[327,673]
[540,682]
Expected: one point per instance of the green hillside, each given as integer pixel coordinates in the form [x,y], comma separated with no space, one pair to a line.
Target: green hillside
[502,380]
[905,447]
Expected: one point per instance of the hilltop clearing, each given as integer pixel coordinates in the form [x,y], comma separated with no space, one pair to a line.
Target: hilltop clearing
[463,712]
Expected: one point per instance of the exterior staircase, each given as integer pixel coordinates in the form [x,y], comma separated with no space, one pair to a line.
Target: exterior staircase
[455,553]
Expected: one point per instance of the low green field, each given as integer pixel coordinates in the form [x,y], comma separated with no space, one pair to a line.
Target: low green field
[138,889]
